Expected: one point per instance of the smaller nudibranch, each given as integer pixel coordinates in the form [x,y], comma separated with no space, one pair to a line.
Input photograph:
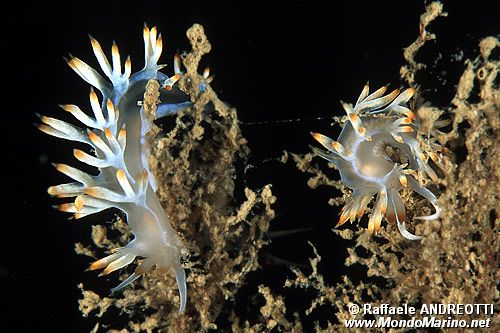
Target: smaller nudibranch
[379,152]
[117,134]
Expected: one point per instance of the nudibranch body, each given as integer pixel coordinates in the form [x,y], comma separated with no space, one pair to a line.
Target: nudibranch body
[378,153]
[117,133]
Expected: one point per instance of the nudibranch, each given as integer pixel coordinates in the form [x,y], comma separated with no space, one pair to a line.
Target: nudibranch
[117,134]
[380,151]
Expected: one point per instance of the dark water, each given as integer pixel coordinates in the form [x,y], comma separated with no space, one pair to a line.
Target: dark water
[272,64]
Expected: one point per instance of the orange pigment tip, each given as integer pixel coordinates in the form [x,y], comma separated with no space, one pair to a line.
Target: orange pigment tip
[95,265]
[337,146]
[93,137]
[108,133]
[342,220]
[160,246]
[354,117]
[405,129]
[79,203]
[79,154]
[120,174]
[90,191]
[369,170]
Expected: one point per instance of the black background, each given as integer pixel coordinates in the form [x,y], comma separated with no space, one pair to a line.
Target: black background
[272,62]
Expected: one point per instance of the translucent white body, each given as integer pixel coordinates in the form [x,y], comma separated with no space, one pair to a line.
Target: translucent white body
[377,153]
[117,134]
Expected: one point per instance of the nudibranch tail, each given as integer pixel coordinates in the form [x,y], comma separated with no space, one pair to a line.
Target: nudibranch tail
[379,152]
[117,134]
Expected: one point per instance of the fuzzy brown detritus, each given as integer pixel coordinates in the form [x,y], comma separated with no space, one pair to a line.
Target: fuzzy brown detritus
[457,259]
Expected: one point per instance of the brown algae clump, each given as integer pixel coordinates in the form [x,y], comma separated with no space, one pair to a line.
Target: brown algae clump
[457,259]
[196,156]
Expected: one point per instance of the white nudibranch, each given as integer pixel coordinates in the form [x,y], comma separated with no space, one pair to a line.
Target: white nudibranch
[117,135]
[380,151]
